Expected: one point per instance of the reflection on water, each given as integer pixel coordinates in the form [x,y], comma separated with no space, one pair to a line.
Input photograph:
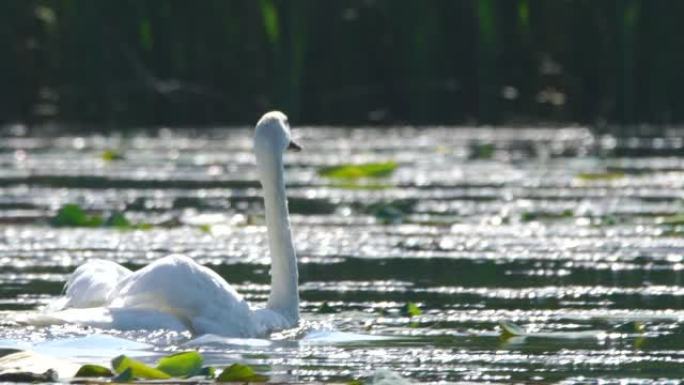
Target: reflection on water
[560,231]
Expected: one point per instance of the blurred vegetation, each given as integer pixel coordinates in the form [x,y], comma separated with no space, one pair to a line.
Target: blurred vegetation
[176,62]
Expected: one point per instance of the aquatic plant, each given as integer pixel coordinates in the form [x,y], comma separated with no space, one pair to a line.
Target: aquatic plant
[73,215]
[357,171]
[181,365]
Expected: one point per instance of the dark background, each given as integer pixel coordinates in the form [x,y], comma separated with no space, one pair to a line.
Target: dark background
[124,63]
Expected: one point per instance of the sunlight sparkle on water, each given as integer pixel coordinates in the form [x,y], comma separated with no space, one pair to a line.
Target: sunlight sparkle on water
[555,230]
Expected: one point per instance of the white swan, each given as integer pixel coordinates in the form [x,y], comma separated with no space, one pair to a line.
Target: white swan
[176,292]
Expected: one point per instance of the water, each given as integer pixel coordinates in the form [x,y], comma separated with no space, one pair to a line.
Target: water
[573,236]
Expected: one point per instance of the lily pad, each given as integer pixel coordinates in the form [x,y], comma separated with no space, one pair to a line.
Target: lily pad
[72,215]
[673,220]
[391,212]
[529,216]
[93,371]
[185,364]
[354,185]
[509,329]
[600,176]
[110,155]
[118,220]
[357,171]
[125,376]
[138,369]
[325,308]
[207,372]
[482,151]
[240,373]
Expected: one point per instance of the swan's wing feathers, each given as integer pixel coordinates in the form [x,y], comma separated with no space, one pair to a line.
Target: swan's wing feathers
[178,285]
[173,292]
[91,284]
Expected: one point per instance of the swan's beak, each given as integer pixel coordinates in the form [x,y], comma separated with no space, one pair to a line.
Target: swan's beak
[294,146]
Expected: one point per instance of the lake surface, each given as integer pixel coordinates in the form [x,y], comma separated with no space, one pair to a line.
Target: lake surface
[577,237]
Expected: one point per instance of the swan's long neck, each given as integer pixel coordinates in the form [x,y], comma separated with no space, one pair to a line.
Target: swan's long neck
[284,297]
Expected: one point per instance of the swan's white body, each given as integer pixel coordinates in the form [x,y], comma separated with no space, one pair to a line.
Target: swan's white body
[177,293]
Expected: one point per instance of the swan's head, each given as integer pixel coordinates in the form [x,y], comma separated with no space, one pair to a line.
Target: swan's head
[272,135]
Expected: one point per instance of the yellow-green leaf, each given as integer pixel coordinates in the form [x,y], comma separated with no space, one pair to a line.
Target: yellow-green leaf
[93,371]
[639,327]
[412,310]
[110,155]
[600,176]
[356,171]
[138,369]
[672,220]
[185,364]
[239,373]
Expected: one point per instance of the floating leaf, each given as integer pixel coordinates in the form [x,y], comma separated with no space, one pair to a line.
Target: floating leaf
[639,342]
[118,220]
[529,216]
[311,206]
[138,369]
[110,155]
[72,215]
[608,220]
[391,212]
[93,371]
[355,382]
[509,329]
[599,176]
[672,220]
[325,308]
[239,373]
[354,185]
[125,376]
[411,310]
[482,151]
[207,371]
[639,327]
[204,228]
[185,364]
[356,171]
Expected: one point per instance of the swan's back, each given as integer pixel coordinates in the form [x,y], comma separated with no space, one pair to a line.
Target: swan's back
[174,292]
[195,294]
